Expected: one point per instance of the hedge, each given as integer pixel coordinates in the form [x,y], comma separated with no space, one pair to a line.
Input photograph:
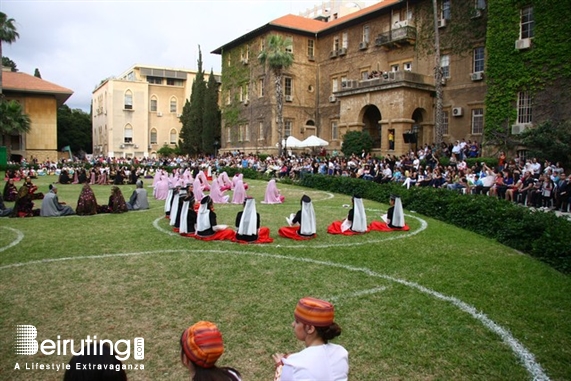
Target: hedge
[541,235]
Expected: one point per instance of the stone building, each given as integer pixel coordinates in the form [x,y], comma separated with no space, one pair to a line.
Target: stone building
[40,100]
[371,70]
[138,112]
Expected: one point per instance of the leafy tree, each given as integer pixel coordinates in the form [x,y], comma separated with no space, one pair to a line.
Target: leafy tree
[166,151]
[74,129]
[549,141]
[211,117]
[354,142]
[7,62]
[8,34]
[193,122]
[12,120]
[37,73]
[277,54]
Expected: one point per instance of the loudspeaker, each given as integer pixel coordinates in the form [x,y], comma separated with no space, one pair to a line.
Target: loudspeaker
[406,136]
[413,138]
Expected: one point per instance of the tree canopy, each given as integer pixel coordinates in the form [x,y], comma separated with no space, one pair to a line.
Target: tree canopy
[8,34]
[74,129]
[354,142]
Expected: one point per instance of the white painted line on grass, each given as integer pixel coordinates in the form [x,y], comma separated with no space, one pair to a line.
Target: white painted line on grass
[356,294]
[525,356]
[19,237]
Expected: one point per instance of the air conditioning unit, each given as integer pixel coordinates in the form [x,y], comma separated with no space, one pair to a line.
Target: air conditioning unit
[363,45]
[441,23]
[332,98]
[159,113]
[477,76]
[288,98]
[524,43]
[519,128]
[122,146]
[457,111]
[342,51]
[333,54]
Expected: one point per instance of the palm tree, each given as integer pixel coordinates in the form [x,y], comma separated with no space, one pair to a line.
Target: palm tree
[277,54]
[8,34]
[12,120]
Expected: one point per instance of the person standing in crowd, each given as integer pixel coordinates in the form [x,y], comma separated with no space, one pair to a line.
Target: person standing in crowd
[354,223]
[305,217]
[314,325]
[248,225]
[139,199]
[201,345]
[51,207]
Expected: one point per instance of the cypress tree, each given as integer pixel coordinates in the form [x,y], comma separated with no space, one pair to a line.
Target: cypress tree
[191,132]
[211,118]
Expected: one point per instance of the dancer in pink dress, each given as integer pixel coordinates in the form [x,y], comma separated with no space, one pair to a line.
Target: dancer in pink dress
[273,195]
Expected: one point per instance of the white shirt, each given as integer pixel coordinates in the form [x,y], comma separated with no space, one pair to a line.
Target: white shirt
[328,362]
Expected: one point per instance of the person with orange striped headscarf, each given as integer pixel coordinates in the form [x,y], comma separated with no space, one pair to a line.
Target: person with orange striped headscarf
[320,360]
[201,346]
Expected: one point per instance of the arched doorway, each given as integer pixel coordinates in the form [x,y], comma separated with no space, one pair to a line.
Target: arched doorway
[309,128]
[371,118]
[417,128]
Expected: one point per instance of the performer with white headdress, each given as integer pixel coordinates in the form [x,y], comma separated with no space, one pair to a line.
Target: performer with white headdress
[207,228]
[393,220]
[354,223]
[248,224]
[305,217]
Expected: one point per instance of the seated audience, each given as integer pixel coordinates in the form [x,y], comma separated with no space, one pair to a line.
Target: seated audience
[4,210]
[10,190]
[116,202]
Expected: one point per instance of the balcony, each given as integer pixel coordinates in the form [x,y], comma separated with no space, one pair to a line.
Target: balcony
[386,81]
[397,37]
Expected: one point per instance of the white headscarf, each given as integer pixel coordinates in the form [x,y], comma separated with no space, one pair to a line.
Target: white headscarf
[307,224]
[359,216]
[203,218]
[398,214]
[249,221]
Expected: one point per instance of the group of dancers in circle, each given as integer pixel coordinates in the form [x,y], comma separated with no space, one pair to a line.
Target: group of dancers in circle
[196,218]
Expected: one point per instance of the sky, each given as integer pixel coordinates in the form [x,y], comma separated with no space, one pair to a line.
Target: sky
[78,43]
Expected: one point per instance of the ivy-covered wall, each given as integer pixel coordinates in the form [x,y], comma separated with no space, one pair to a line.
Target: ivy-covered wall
[544,70]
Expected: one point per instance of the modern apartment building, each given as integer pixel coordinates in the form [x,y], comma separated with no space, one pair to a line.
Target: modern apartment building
[371,70]
[138,112]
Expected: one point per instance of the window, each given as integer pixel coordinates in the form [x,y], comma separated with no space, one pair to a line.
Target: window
[446,9]
[246,92]
[364,75]
[344,42]
[288,86]
[173,136]
[262,44]
[261,131]
[240,133]
[395,67]
[228,134]
[155,80]
[335,85]
[477,121]
[173,104]
[524,106]
[241,95]
[247,132]
[480,4]
[287,127]
[154,139]
[334,131]
[174,82]
[407,66]
[289,44]
[445,121]
[260,87]
[153,105]
[527,22]
[311,48]
[445,65]
[128,100]
[366,33]
[336,43]
[479,60]
[128,134]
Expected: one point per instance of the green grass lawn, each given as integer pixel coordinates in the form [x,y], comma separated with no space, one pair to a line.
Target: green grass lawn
[435,303]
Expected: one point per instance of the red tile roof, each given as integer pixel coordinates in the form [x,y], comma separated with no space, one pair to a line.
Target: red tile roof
[25,83]
[304,24]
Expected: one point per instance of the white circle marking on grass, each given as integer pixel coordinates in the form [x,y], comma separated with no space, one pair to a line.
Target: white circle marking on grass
[19,238]
[523,354]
